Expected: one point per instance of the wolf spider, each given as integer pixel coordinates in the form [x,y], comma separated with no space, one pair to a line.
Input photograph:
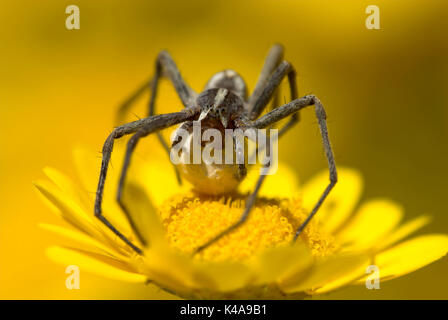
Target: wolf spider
[222,104]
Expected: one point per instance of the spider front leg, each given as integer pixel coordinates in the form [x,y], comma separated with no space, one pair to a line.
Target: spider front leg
[164,66]
[117,133]
[269,86]
[265,121]
[159,122]
[273,59]
[289,109]
[142,127]
[123,109]
[259,103]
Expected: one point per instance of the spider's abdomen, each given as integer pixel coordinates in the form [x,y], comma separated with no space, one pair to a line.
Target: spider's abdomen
[210,175]
[213,179]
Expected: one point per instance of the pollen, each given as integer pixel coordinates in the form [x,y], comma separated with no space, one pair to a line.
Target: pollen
[191,220]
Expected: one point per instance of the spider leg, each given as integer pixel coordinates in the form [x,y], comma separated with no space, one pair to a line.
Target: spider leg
[165,65]
[249,204]
[117,133]
[123,109]
[275,100]
[271,88]
[290,109]
[269,119]
[160,121]
[295,117]
[273,59]
[283,69]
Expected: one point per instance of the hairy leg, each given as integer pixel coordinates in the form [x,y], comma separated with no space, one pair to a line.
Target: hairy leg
[155,123]
[273,59]
[159,122]
[291,108]
[269,119]
[271,88]
[128,103]
[283,69]
[165,65]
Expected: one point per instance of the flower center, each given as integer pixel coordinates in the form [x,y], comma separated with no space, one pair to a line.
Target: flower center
[191,220]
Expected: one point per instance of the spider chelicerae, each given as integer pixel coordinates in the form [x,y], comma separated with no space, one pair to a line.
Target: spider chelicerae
[222,104]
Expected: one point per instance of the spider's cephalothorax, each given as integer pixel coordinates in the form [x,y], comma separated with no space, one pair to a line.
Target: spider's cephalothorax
[220,104]
[228,79]
[220,108]
[224,104]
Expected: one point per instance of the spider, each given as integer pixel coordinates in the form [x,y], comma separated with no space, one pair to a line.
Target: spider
[223,103]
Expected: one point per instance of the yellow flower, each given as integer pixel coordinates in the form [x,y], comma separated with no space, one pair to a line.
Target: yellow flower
[255,261]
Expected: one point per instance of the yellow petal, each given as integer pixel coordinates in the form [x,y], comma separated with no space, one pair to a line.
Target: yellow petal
[88,164]
[182,274]
[282,184]
[69,210]
[327,271]
[64,183]
[282,262]
[87,242]
[85,201]
[157,176]
[42,196]
[410,255]
[402,232]
[97,264]
[74,214]
[223,276]
[348,278]
[169,269]
[373,221]
[144,214]
[154,173]
[341,200]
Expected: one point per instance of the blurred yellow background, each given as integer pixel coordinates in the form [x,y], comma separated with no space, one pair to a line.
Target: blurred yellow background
[384,91]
